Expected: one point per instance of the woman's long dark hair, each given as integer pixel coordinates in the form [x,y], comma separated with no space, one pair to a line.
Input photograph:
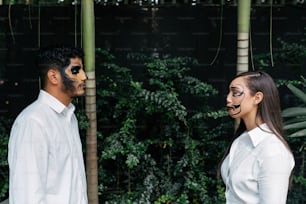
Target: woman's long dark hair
[269,109]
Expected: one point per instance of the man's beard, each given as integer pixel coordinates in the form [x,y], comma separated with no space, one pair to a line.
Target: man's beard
[68,84]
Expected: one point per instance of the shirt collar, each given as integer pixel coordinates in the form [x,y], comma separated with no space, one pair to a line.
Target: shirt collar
[54,103]
[258,134]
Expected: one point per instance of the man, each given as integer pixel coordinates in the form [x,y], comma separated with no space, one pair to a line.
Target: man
[45,153]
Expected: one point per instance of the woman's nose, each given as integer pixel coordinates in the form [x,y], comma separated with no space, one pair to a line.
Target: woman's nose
[227,98]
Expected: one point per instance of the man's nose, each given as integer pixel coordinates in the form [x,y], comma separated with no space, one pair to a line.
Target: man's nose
[83,75]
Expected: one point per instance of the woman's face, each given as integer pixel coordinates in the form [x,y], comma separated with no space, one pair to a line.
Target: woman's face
[240,103]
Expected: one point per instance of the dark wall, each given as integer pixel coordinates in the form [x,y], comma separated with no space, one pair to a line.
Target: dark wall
[168,31]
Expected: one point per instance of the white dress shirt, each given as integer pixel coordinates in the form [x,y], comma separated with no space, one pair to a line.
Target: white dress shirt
[257,169]
[45,155]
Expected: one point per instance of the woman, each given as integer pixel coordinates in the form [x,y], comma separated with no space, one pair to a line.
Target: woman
[258,165]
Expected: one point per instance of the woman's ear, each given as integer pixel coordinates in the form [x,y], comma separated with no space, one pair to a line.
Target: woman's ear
[258,97]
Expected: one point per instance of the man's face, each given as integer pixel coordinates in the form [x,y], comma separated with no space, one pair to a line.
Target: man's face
[74,81]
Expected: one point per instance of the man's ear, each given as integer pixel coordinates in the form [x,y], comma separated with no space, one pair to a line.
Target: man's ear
[258,97]
[53,76]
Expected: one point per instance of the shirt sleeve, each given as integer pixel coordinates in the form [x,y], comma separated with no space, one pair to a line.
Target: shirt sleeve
[28,160]
[273,178]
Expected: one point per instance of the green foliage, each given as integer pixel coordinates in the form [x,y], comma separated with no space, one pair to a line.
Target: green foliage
[292,54]
[4,136]
[156,141]
[159,138]
[295,127]
[296,116]
[284,82]
[297,195]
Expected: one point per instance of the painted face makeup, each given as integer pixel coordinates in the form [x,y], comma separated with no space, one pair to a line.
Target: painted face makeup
[75,70]
[74,77]
[76,73]
[236,96]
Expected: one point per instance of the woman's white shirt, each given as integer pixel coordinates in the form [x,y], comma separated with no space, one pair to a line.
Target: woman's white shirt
[257,169]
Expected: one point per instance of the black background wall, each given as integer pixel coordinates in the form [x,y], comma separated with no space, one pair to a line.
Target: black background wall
[170,30]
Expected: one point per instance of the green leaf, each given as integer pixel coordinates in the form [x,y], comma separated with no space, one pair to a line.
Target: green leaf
[299,93]
[300,133]
[294,111]
[131,161]
[295,125]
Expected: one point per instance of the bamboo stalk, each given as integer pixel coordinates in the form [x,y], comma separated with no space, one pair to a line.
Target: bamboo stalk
[88,30]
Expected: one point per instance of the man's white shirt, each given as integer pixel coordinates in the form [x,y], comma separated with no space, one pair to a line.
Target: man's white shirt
[45,155]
